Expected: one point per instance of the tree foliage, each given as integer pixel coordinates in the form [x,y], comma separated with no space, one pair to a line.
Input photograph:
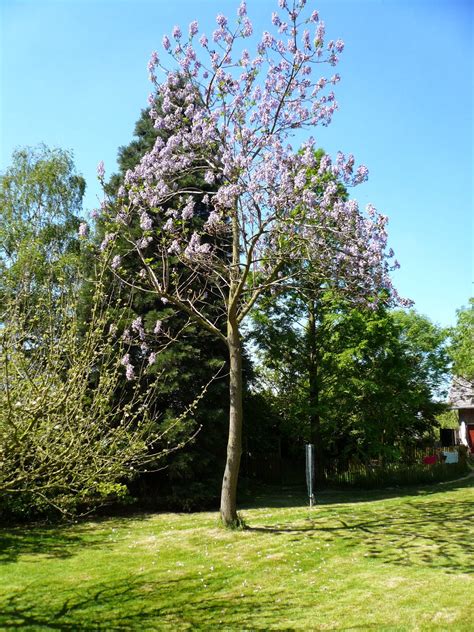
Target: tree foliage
[380,376]
[70,435]
[462,342]
[192,477]
[40,203]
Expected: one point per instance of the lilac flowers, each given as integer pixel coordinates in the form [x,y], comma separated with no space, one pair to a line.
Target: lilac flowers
[83,229]
[129,369]
[145,221]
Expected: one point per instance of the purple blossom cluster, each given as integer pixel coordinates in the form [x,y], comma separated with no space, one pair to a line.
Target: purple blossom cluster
[116,261]
[195,248]
[101,170]
[108,239]
[145,221]
[129,368]
[136,336]
[137,327]
[193,28]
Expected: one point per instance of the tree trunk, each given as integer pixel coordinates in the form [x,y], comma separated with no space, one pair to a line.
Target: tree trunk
[234,444]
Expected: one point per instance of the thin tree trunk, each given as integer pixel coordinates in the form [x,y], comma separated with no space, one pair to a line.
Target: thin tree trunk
[234,444]
[234,345]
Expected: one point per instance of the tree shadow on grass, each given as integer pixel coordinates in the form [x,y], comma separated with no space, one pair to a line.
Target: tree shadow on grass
[276,497]
[415,533]
[60,541]
[136,604]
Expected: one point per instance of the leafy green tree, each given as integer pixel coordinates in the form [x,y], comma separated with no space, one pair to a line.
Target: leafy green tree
[462,342]
[72,432]
[387,371]
[71,436]
[40,204]
[379,377]
[301,314]
[427,343]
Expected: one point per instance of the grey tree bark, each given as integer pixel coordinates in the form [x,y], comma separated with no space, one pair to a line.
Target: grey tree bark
[234,445]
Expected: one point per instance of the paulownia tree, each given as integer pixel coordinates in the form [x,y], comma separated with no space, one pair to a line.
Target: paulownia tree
[229,116]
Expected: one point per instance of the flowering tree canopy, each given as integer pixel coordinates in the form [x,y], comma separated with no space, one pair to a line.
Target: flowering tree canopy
[227,116]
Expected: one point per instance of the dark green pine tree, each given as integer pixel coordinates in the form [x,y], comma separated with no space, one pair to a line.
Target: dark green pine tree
[193,475]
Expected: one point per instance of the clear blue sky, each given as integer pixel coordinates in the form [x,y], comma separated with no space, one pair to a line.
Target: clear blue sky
[73,75]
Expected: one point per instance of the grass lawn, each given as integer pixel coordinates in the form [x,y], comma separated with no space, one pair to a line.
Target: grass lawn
[366,561]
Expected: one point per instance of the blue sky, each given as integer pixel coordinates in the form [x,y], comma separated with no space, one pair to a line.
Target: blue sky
[73,75]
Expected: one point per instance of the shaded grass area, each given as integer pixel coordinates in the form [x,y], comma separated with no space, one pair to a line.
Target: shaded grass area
[382,561]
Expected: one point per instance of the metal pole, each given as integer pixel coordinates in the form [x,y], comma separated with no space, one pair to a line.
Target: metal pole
[310,472]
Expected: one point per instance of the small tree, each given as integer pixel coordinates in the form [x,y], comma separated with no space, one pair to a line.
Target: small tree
[229,117]
[70,435]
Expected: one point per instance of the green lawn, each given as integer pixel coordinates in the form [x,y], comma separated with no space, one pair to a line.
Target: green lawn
[373,561]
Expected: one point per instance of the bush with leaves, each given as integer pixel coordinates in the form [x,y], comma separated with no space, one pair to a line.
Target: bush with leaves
[71,435]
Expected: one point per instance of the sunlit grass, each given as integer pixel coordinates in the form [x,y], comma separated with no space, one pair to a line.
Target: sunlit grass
[367,562]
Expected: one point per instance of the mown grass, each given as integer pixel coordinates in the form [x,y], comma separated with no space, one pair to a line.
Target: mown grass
[372,561]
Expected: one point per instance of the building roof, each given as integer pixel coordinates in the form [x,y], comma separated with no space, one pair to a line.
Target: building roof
[461,393]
